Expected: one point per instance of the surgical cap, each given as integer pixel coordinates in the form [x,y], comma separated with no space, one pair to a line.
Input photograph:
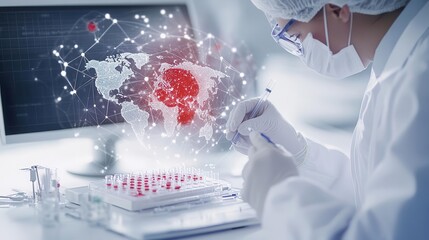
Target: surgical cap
[305,10]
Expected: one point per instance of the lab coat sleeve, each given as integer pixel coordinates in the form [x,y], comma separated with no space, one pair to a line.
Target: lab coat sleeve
[329,167]
[396,202]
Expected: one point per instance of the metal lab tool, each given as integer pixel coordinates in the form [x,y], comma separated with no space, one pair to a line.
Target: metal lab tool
[34,175]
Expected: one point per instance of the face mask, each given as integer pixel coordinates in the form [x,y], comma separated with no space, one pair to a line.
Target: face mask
[319,57]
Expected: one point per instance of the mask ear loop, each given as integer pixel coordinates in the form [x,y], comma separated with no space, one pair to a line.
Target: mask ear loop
[326,27]
[351,26]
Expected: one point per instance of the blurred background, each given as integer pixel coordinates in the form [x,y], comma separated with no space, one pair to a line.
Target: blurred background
[322,109]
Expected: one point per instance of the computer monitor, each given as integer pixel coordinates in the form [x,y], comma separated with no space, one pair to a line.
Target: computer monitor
[44,96]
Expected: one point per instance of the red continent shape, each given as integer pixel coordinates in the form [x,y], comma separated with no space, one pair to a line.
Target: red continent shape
[179,89]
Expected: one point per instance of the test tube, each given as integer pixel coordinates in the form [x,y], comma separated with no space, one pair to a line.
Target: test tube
[108,180]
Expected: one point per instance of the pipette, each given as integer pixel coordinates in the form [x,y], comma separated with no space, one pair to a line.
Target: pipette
[256,110]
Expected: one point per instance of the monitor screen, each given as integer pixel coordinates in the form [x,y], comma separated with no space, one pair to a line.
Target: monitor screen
[43,52]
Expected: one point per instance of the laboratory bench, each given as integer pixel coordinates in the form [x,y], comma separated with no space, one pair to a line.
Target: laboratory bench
[23,222]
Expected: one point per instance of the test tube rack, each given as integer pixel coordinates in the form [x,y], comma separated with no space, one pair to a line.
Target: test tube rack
[149,189]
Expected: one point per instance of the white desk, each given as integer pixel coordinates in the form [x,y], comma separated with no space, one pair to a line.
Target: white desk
[22,223]
[66,153]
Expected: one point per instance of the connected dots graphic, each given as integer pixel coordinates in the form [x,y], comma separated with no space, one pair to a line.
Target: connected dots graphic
[173,84]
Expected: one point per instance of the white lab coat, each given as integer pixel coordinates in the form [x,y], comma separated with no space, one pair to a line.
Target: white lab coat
[382,190]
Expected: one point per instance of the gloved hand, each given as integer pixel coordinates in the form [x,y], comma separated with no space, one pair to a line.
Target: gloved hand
[269,122]
[268,165]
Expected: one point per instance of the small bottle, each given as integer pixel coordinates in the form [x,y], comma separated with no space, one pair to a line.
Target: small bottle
[49,209]
[98,211]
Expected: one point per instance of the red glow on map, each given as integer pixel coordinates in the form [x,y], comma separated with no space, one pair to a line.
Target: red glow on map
[179,89]
[92,26]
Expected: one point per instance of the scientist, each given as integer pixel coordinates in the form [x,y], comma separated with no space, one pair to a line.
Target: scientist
[310,191]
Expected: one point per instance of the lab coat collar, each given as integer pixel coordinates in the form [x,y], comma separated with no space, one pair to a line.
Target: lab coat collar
[390,39]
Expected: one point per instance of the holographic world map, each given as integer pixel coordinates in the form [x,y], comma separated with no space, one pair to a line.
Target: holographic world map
[173,84]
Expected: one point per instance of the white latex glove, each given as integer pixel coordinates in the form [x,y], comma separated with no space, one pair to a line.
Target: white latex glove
[269,122]
[268,165]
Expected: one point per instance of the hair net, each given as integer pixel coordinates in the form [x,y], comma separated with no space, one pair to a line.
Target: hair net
[305,10]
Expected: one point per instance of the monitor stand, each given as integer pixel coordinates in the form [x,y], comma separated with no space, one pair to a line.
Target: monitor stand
[104,161]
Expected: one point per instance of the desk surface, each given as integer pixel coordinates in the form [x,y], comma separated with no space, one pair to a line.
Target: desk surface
[57,154]
[22,224]
[14,157]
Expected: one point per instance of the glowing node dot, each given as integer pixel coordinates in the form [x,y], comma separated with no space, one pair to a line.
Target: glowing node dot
[63,73]
[233,49]
[59,99]
[82,54]
[107,16]
[223,114]
[244,82]
[65,87]
[76,46]
[115,20]
[54,52]
[209,35]
[227,108]
[96,147]
[65,64]
[162,35]
[61,46]
[136,16]
[142,32]
[146,79]
[170,15]
[146,20]
[241,74]
[233,103]
[162,11]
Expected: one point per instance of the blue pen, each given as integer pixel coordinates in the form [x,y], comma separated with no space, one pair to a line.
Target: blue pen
[268,139]
[256,109]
